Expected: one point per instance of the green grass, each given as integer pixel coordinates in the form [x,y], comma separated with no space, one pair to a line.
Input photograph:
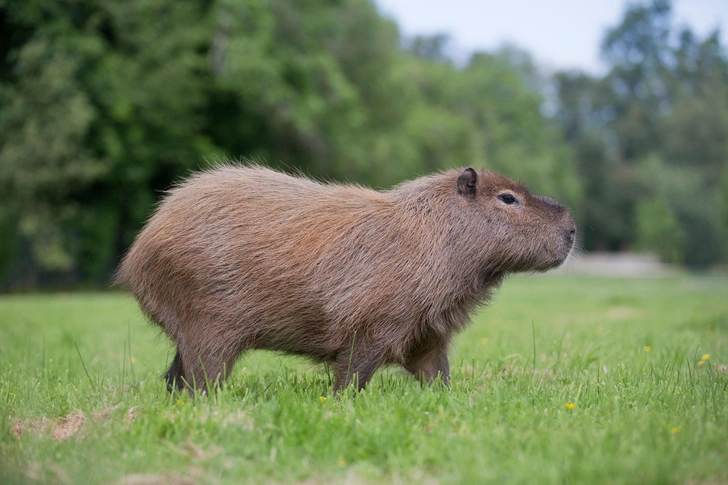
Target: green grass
[81,400]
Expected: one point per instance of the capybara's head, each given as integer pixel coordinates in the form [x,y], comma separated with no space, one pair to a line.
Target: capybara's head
[518,231]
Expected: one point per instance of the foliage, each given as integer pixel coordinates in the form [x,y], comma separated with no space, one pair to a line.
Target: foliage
[94,123]
[665,98]
[104,105]
[658,229]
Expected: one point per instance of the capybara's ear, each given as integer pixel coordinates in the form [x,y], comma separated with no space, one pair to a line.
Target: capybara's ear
[467,182]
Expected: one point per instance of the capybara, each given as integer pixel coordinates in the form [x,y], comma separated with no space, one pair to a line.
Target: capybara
[243,257]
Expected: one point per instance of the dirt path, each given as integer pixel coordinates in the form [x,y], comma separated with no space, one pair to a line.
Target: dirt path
[622,265]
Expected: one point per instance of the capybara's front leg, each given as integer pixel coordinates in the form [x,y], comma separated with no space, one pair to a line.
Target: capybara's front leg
[357,364]
[430,362]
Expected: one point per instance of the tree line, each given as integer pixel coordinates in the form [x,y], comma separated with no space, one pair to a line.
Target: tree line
[104,105]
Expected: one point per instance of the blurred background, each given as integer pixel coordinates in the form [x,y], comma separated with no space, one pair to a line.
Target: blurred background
[620,110]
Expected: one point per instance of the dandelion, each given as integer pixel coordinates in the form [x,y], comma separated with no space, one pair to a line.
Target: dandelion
[178,401]
[705,357]
[484,341]
[702,362]
[322,399]
[570,405]
[676,429]
[133,360]
[647,348]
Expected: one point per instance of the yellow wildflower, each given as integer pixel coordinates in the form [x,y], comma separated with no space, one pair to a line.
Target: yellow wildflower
[133,360]
[322,399]
[570,405]
[342,462]
[647,348]
[702,362]
[676,429]
[484,341]
[706,356]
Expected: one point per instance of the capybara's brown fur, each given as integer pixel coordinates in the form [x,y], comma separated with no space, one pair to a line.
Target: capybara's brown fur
[243,257]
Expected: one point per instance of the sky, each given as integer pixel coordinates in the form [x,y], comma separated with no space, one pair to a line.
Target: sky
[561,34]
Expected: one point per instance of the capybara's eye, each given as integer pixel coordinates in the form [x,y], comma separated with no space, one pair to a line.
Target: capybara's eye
[508,199]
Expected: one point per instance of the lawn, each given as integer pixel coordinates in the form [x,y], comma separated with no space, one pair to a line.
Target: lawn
[563,379]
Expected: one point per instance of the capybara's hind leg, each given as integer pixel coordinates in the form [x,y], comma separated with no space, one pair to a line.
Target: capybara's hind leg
[206,368]
[175,374]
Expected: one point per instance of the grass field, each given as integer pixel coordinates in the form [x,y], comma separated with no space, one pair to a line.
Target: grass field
[562,380]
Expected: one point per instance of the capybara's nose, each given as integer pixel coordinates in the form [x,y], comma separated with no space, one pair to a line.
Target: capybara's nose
[570,236]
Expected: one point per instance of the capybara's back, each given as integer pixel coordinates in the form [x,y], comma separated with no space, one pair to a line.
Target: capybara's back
[243,257]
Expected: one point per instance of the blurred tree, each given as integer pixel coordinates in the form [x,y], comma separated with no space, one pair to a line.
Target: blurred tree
[309,85]
[432,47]
[501,93]
[103,105]
[95,122]
[658,230]
[664,98]
[489,112]
[106,104]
